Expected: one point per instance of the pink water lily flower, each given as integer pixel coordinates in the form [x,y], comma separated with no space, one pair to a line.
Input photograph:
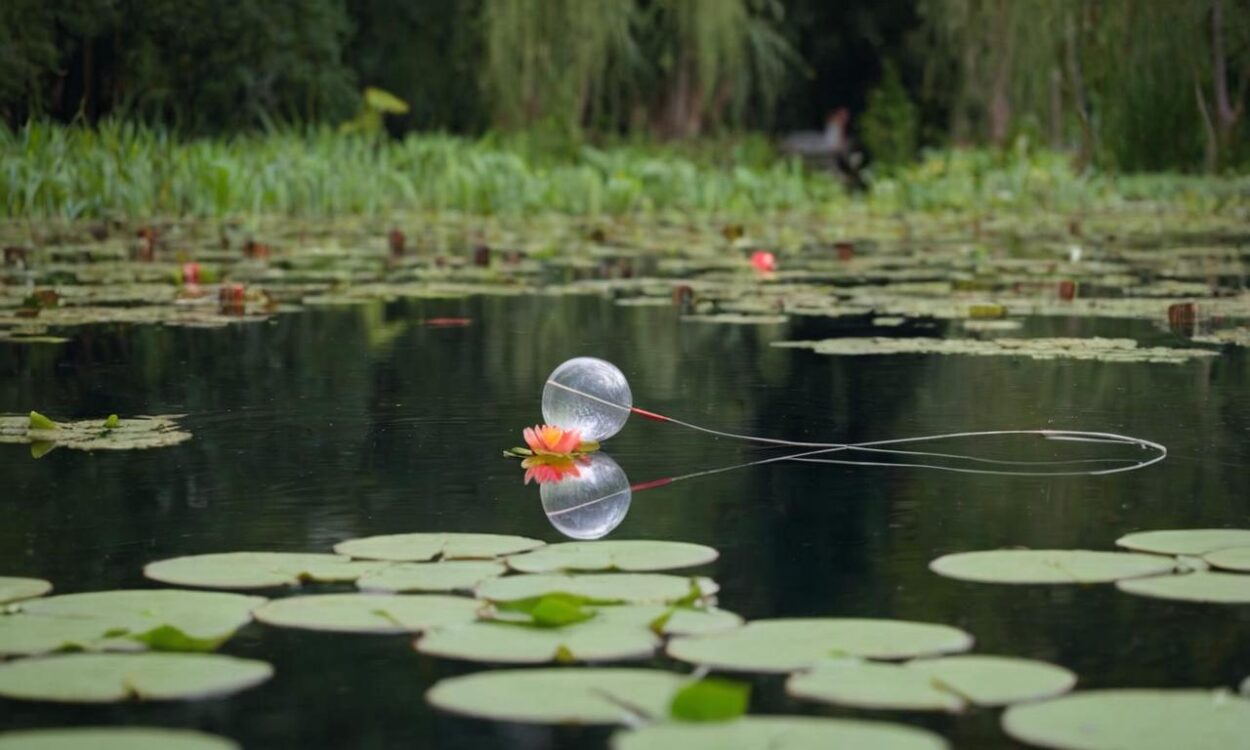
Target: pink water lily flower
[549,440]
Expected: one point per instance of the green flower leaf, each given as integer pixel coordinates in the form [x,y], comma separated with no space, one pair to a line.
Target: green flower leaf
[711,699]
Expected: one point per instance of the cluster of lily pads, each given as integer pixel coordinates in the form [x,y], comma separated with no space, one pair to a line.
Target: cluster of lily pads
[876,272]
[111,433]
[529,603]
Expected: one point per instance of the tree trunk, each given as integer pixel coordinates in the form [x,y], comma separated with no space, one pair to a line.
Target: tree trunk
[1056,109]
[1000,101]
[1077,78]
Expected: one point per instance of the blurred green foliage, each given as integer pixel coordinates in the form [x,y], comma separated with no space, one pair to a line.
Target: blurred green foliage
[891,125]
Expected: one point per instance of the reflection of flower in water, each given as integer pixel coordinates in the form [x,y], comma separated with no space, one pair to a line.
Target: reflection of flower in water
[552,468]
[546,440]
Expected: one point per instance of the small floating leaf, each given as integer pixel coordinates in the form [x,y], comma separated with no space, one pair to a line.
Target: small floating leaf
[113,738]
[112,423]
[548,611]
[779,733]
[15,589]
[625,555]
[602,588]
[1137,719]
[1049,566]
[107,678]
[711,699]
[368,613]
[449,575]
[1217,588]
[256,570]
[789,645]
[424,547]
[1197,542]
[559,696]
[40,422]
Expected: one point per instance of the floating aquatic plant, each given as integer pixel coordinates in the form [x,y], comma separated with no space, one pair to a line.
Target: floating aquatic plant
[110,678]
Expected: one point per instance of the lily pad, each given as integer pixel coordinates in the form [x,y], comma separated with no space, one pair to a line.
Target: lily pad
[449,575]
[1196,542]
[368,613]
[779,733]
[163,619]
[1137,719]
[1100,349]
[1217,588]
[1231,558]
[626,555]
[139,433]
[255,570]
[518,644]
[738,319]
[559,696]
[790,645]
[108,678]
[113,738]
[945,684]
[668,620]
[16,589]
[1049,566]
[426,547]
[634,588]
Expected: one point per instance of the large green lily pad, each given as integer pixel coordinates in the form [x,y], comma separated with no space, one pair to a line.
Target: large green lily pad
[778,733]
[946,684]
[108,678]
[113,738]
[591,640]
[1231,558]
[425,547]
[447,575]
[634,588]
[369,613]
[162,619]
[1136,719]
[1201,586]
[1195,542]
[790,645]
[15,589]
[139,433]
[1049,566]
[559,696]
[625,555]
[256,570]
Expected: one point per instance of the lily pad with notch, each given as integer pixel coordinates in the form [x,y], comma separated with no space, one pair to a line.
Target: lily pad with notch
[113,738]
[602,588]
[256,570]
[1049,566]
[422,547]
[624,555]
[791,645]
[110,678]
[1196,542]
[445,575]
[502,642]
[369,613]
[778,733]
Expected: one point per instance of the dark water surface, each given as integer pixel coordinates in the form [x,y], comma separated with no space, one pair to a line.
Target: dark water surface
[324,425]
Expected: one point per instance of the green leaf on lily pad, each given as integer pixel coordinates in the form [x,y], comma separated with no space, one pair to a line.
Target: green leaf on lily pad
[1197,542]
[1049,566]
[138,433]
[513,644]
[124,620]
[447,575]
[602,588]
[113,738]
[547,611]
[1231,558]
[256,570]
[711,699]
[369,613]
[944,684]
[108,678]
[425,547]
[113,422]
[1137,719]
[15,589]
[779,733]
[559,695]
[1216,588]
[624,555]
[790,645]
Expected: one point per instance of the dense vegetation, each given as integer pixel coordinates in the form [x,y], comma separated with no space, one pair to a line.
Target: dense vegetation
[1124,84]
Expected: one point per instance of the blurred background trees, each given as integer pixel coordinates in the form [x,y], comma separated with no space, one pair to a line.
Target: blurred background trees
[1129,84]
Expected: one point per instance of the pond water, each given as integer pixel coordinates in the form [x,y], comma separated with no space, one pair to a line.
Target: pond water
[328,424]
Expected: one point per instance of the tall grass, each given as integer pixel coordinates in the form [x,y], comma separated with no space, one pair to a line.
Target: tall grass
[122,170]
